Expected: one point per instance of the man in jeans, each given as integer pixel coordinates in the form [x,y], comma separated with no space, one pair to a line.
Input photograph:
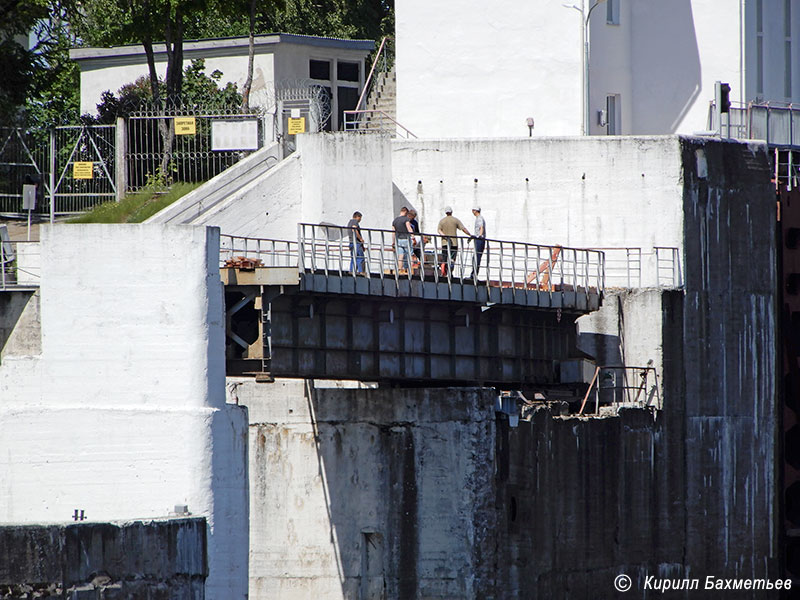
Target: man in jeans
[402,232]
[480,240]
[356,244]
[448,227]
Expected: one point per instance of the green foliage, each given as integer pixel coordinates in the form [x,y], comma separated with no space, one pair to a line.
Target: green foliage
[349,19]
[40,83]
[199,89]
[136,207]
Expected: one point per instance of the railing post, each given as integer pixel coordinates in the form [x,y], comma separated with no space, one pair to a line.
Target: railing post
[52,175]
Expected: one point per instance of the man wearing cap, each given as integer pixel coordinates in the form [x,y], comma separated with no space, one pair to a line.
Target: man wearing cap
[403,239]
[448,227]
[480,240]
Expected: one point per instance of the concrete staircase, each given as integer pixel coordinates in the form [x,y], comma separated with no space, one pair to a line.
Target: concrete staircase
[382,97]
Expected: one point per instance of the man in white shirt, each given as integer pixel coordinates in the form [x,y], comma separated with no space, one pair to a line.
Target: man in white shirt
[480,240]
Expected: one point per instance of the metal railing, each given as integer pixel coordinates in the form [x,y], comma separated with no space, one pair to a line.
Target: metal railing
[265,252]
[620,386]
[20,265]
[777,123]
[329,249]
[633,267]
[374,121]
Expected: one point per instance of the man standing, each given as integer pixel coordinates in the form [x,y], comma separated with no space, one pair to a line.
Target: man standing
[356,244]
[448,227]
[402,231]
[480,240]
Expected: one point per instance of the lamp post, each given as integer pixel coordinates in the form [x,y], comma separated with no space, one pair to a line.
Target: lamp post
[585,43]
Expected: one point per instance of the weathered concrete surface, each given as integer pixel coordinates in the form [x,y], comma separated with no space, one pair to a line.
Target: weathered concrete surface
[357,493]
[159,559]
[691,490]
[123,414]
[20,326]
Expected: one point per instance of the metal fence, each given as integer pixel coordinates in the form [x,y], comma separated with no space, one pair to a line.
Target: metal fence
[328,249]
[189,152]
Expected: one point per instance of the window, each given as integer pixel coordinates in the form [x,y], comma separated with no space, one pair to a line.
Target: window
[612,12]
[759,46]
[347,71]
[787,56]
[319,69]
[613,115]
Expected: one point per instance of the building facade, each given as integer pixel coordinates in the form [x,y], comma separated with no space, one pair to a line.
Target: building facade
[651,68]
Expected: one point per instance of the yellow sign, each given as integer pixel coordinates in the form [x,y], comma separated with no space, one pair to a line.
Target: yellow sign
[184,126]
[297,125]
[83,170]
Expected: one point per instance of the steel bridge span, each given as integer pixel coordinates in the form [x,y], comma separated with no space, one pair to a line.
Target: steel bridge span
[302,309]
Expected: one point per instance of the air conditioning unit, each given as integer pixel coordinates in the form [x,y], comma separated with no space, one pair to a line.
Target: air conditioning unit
[602,118]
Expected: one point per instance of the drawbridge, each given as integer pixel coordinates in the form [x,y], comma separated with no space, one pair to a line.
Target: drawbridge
[323,307]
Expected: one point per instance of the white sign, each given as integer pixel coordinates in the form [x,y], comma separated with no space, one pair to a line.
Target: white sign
[28,197]
[234,135]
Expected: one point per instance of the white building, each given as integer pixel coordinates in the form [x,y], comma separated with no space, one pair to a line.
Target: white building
[334,64]
[470,69]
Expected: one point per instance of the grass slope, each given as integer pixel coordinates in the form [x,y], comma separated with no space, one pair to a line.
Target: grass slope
[136,207]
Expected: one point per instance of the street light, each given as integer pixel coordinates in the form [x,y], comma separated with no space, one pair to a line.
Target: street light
[585,43]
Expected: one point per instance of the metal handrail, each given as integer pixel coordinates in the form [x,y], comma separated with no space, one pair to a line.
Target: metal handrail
[356,121]
[270,252]
[364,92]
[641,389]
[515,265]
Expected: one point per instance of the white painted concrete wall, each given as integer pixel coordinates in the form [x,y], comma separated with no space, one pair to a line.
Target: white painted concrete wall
[582,192]
[344,173]
[474,70]
[123,415]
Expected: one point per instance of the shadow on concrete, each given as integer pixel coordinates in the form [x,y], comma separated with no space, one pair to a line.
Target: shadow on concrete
[664,89]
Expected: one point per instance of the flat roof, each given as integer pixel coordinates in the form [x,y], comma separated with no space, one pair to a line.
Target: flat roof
[224,44]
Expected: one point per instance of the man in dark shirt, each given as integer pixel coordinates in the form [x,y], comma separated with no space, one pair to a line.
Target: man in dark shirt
[402,231]
[356,244]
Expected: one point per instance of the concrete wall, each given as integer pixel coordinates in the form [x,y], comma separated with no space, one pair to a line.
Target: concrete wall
[467,70]
[582,192]
[369,493]
[471,69]
[163,558]
[123,415]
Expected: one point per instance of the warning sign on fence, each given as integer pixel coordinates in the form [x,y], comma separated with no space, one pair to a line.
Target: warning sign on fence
[184,126]
[83,170]
[297,125]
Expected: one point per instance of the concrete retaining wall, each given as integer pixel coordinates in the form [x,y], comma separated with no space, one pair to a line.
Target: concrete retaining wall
[124,415]
[162,559]
[357,493]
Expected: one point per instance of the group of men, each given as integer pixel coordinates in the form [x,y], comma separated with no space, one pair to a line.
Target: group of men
[404,229]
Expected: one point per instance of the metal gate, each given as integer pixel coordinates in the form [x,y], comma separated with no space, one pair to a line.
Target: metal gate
[23,160]
[82,161]
[72,165]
